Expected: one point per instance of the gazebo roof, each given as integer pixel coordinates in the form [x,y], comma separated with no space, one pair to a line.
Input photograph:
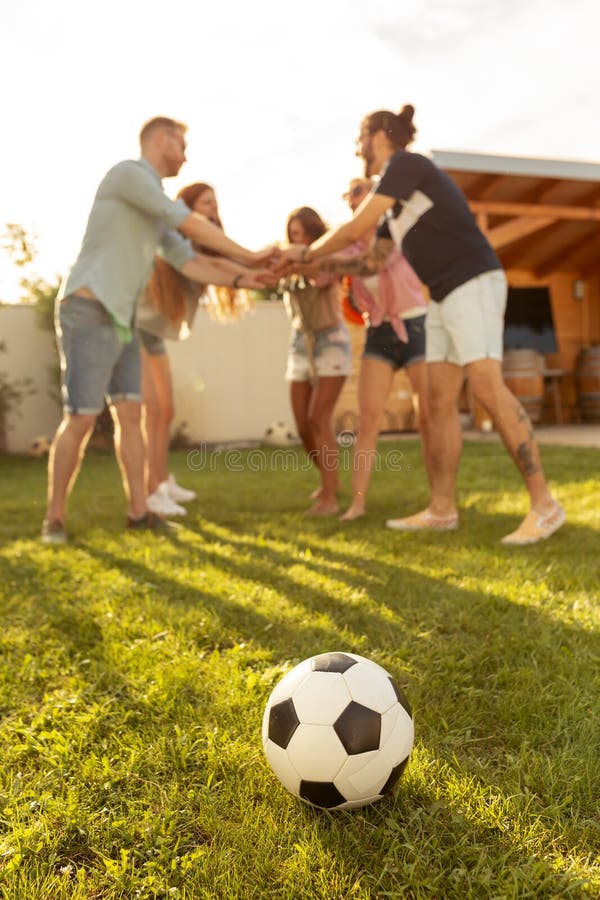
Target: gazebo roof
[542,215]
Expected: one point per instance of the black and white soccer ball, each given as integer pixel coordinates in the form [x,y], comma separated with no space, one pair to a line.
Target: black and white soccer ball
[40,446]
[338,731]
[280,434]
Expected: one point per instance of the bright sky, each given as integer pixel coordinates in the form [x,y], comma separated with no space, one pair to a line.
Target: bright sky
[273,94]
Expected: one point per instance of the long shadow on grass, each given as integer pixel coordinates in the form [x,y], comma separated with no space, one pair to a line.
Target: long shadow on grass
[500,690]
[244,614]
[361,567]
[470,645]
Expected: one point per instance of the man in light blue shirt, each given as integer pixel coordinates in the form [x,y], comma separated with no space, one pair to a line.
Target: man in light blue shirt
[131,219]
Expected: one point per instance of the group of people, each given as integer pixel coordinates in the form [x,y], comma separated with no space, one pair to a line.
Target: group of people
[132,228]
[145,262]
[391,302]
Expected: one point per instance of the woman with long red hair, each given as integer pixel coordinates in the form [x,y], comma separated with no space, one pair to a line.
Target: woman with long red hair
[166,311]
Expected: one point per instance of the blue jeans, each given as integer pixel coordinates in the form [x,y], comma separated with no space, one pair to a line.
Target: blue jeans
[326,354]
[95,365]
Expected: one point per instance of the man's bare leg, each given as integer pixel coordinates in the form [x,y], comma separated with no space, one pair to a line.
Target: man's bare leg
[444,449]
[66,454]
[418,377]
[445,435]
[514,427]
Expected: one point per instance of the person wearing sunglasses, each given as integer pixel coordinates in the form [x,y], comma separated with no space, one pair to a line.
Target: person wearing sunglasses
[357,191]
[429,219]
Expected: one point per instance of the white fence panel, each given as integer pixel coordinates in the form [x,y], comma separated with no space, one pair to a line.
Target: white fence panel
[228,379]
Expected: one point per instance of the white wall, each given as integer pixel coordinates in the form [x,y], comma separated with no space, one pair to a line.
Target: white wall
[30,353]
[228,379]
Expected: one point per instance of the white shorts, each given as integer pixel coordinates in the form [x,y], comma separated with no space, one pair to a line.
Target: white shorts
[468,324]
[331,354]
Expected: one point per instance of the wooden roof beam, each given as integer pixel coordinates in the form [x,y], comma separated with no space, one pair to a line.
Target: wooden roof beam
[514,257]
[590,198]
[569,255]
[485,185]
[535,210]
[512,231]
[540,191]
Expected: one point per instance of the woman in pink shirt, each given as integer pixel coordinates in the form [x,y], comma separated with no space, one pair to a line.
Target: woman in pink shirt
[393,304]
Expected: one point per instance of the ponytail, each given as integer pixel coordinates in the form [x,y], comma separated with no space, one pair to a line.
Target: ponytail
[398,127]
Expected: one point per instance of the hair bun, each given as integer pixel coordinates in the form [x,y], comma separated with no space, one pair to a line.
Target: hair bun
[407,113]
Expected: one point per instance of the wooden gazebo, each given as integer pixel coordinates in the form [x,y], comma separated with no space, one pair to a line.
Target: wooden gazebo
[542,216]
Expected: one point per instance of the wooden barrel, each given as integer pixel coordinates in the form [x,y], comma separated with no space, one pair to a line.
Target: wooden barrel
[398,414]
[523,375]
[587,374]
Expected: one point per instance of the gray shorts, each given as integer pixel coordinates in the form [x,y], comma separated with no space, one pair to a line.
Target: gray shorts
[468,324]
[330,355]
[95,365]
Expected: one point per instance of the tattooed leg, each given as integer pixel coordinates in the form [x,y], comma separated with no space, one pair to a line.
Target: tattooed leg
[514,427]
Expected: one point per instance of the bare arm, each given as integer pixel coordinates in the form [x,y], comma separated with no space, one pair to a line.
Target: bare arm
[368,262]
[200,269]
[366,216]
[201,231]
[224,264]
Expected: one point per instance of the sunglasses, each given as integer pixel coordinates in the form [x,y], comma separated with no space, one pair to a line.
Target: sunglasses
[355,192]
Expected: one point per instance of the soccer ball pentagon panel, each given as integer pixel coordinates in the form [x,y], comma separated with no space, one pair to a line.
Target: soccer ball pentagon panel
[337,731]
[280,434]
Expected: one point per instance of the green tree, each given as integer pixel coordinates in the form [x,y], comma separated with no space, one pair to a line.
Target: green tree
[21,247]
[20,244]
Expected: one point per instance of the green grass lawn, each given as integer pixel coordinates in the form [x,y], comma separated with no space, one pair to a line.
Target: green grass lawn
[135,671]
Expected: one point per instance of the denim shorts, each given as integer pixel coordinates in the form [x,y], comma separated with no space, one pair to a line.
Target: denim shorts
[383,343]
[331,354]
[152,344]
[468,324]
[95,365]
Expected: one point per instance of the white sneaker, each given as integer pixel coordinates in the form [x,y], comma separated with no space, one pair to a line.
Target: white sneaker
[162,504]
[177,493]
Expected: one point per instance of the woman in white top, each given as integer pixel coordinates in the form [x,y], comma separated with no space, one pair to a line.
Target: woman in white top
[319,360]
